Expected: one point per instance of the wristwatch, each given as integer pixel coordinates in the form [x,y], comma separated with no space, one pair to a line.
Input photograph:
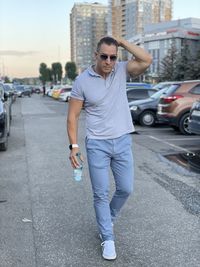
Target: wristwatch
[73,146]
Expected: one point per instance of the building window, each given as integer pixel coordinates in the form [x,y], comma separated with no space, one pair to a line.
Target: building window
[154,45]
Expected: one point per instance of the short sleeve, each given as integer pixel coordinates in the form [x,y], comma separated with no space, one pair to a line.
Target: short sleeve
[123,66]
[77,91]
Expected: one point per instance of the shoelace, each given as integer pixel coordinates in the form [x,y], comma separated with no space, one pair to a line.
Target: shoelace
[104,243]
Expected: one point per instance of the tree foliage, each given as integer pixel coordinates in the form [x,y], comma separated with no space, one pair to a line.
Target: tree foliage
[6,79]
[168,65]
[183,61]
[43,73]
[49,75]
[195,67]
[179,66]
[56,71]
[70,70]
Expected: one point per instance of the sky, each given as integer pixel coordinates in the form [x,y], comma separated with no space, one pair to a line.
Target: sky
[36,31]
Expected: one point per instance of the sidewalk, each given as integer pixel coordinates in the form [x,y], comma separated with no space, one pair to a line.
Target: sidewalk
[48,218]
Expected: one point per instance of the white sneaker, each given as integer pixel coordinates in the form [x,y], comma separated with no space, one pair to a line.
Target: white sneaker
[109,252]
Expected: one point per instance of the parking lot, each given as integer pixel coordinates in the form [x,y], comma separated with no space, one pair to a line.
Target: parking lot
[166,136]
[165,141]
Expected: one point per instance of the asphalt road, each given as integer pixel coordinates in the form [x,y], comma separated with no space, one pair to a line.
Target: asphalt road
[47,219]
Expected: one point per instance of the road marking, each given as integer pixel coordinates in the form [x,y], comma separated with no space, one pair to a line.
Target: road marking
[167,143]
[183,139]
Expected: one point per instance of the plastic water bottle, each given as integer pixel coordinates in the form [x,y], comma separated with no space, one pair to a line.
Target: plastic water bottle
[78,171]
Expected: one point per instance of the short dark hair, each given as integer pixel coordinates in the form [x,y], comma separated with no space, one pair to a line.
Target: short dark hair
[107,40]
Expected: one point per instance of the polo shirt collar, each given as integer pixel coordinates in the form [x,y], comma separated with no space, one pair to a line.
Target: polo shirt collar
[94,74]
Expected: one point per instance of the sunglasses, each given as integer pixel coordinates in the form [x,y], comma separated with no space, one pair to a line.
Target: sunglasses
[105,57]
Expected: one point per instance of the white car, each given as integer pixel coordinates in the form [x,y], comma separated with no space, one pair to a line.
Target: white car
[65,96]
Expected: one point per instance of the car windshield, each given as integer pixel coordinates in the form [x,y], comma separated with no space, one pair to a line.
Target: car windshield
[160,86]
[172,88]
[159,93]
[19,87]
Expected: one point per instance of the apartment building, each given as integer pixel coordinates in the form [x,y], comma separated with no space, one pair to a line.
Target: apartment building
[88,23]
[129,17]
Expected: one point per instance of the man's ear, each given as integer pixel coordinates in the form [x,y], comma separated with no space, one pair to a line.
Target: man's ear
[95,54]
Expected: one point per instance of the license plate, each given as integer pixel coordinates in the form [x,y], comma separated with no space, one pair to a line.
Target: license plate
[196,112]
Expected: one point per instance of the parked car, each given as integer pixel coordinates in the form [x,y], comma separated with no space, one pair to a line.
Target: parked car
[139,93]
[56,92]
[162,85]
[50,92]
[7,98]
[8,87]
[144,110]
[4,120]
[22,90]
[27,91]
[194,118]
[174,109]
[65,94]
[37,90]
[138,85]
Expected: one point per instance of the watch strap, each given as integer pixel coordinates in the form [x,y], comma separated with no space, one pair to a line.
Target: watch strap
[71,146]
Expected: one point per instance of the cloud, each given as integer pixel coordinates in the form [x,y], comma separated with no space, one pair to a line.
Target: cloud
[16,53]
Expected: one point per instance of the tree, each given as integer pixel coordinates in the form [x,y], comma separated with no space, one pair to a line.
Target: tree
[43,73]
[70,70]
[195,67]
[183,69]
[56,71]
[49,75]
[180,66]
[6,79]
[168,65]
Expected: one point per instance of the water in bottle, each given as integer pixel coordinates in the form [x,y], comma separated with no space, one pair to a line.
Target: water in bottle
[78,171]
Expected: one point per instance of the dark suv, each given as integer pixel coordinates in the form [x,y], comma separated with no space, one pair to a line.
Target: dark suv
[144,110]
[139,93]
[174,108]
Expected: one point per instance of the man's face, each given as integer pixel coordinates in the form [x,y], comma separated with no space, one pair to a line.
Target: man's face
[106,58]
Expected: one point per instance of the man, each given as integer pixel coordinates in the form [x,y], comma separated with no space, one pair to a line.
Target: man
[44,90]
[102,89]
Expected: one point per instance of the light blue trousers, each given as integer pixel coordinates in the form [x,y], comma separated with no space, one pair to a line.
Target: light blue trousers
[103,155]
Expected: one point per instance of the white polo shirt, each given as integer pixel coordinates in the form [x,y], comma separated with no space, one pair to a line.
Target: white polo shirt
[105,101]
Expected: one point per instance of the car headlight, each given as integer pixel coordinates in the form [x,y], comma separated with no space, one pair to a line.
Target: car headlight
[133,108]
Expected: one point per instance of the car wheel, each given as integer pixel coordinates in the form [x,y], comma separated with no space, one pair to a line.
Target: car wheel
[184,124]
[147,118]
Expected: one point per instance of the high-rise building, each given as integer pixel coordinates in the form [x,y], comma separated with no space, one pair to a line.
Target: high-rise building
[162,10]
[129,17]
[88,23]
